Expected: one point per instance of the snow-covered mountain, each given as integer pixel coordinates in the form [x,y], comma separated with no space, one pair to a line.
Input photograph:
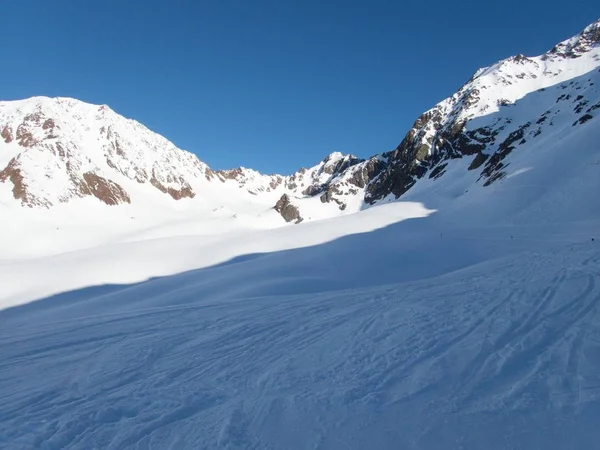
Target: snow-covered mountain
[56,150]
[501,109]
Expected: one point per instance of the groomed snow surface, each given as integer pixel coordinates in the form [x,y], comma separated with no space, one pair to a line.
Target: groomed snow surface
[463,317]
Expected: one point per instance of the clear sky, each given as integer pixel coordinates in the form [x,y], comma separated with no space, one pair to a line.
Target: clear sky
[270,84]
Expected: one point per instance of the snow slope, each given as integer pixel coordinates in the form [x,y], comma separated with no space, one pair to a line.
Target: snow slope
[463,361]
[169,249]
[474,326]
[465,316]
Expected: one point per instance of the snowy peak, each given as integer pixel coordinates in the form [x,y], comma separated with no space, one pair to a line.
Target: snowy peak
[56,150]
[302,182]
[314,179]
[251,180]
[578,45]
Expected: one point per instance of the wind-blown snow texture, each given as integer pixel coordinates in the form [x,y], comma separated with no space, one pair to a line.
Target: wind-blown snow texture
[464,316]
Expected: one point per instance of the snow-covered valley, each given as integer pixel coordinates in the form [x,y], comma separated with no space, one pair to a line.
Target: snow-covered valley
[466,360]
[421,303]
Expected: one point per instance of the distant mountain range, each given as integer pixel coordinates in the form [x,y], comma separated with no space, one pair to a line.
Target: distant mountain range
[61,150]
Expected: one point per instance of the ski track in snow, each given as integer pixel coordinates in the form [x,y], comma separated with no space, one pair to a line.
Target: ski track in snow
[401,366]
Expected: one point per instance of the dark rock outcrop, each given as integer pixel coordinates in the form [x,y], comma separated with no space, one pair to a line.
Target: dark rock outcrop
[106,191]
[478,161]
[312,190]
[288,211]
[48,124]
[184,192]
[6,134]
[12,173]
[363,174]
[230,174]
[493,168]
[329,196]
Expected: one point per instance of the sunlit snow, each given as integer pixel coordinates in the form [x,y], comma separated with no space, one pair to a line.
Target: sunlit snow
[460,316]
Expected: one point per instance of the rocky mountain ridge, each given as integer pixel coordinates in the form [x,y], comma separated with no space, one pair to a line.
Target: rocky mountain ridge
[493,113]
[53,151]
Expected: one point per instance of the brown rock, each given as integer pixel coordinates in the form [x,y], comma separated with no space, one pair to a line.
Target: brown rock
[288,211]
[276,182]
[48,124]
[25,137]
[104,190]
[230,174]
[12,173]
[209,174]
[7,135]
[177,194]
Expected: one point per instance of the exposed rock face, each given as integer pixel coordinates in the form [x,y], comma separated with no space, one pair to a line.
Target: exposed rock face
[6,134]
[312,190]
[366,172]
[177,194]
[13,174]
[288,211]
[330,196]
[478,161]
[333,165]
[106,191]
[232,174]
[493,168]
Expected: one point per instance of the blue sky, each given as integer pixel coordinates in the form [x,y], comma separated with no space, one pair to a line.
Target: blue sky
[270,84]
